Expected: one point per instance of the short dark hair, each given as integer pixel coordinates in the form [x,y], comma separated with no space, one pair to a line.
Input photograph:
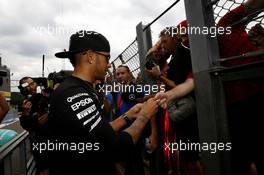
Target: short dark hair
[73,59]
[24,90]
[128,70]
[125,66]
[22,80]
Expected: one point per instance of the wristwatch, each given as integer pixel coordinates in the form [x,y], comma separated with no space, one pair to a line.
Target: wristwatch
[125,117]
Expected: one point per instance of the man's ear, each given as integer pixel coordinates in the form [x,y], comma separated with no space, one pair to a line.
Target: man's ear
[90,57]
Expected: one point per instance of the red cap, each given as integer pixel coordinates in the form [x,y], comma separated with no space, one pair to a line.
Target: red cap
[183,24]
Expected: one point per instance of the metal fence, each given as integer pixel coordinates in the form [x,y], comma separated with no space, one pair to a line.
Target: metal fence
[210,78]
[129,57]
[16,157]
[223,6]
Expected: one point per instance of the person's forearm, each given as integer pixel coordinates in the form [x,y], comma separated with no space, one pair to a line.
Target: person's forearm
[118,123]
[252,6]
[137,126]
[153,138]
[2,114]
[167,82]
[4,107]
[43,120]
[181,90]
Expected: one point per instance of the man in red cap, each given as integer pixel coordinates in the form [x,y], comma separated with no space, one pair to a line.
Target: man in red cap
[243,96]
[179,83]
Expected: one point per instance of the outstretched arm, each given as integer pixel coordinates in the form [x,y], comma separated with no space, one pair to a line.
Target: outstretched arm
[118,123]
[177,92]
[147,111]
[4,107]
[181,90]
[252,6]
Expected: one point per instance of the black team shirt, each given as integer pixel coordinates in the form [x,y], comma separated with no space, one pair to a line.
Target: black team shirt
[86,143]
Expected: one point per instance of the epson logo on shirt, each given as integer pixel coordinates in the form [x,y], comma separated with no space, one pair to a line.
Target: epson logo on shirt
[83,102]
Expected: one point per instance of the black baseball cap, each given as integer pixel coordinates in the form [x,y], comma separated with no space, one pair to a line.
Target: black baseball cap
[85,40]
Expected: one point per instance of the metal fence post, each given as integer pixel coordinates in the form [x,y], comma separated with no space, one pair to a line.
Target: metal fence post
[144,44]
[211,108]
[23,161]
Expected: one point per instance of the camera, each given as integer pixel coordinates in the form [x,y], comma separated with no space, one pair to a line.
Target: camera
[39,103]
[58,77]
[150,62]
[41,81]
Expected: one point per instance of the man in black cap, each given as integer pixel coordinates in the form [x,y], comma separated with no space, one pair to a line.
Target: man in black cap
[83,142]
